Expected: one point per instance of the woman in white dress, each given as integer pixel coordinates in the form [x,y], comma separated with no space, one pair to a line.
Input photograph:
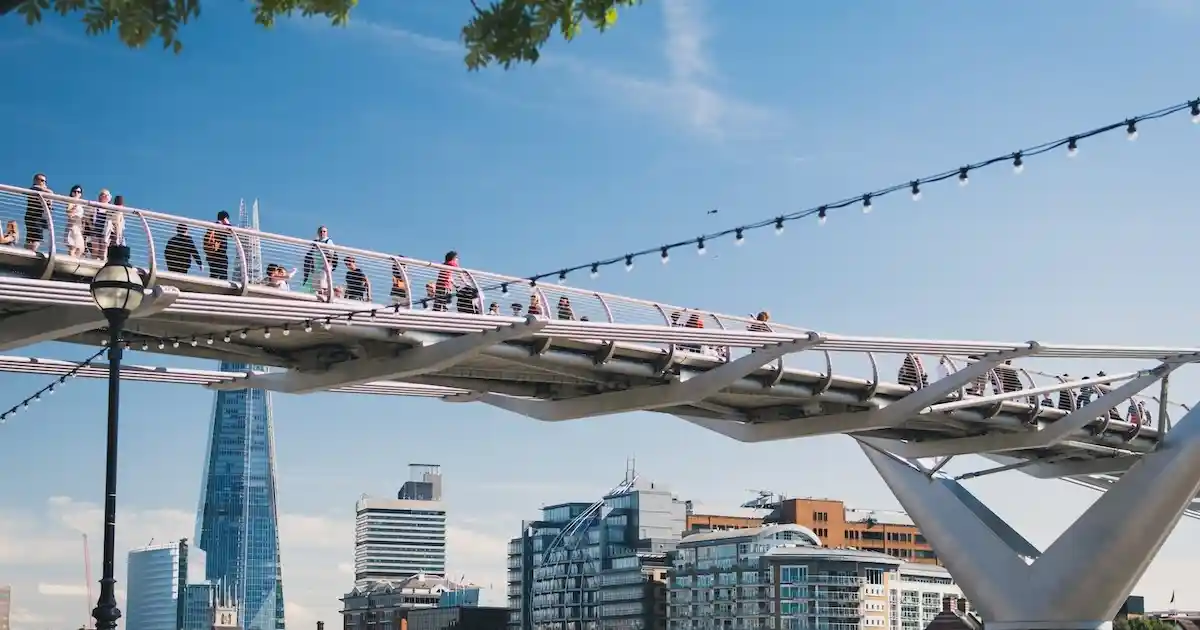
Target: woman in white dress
[74,231]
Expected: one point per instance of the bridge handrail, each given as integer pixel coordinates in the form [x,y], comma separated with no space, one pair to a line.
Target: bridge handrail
[622,309]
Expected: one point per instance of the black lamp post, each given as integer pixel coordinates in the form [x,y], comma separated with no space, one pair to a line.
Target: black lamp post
[118,291]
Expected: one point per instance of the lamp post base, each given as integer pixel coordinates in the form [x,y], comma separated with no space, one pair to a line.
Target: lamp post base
[106,612]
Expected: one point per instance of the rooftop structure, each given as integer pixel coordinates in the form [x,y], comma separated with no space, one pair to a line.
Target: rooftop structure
[567,353]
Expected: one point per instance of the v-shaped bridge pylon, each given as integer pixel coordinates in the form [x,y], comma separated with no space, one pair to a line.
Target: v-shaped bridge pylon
[1082,579]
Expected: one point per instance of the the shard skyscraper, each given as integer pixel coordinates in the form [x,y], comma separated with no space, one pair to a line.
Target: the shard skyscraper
[238,521]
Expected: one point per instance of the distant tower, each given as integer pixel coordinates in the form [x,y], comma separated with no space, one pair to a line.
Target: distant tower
[398,538]
[238,519]
[250,244]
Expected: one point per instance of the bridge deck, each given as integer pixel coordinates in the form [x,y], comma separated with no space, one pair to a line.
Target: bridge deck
[586,345]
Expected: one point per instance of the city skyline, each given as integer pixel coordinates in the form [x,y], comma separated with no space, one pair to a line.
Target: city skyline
[613,143]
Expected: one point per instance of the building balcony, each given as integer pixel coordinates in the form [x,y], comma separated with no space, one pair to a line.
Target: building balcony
[837,580]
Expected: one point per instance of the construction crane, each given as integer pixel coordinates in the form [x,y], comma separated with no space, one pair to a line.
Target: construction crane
[87,576]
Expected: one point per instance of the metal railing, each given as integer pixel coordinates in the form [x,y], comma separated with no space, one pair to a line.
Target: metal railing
[176,251]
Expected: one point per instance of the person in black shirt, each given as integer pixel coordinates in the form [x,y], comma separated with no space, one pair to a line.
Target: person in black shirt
[180,252]
[358,286]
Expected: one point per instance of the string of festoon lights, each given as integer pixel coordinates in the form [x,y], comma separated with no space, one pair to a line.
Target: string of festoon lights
[48,390]
[865,201]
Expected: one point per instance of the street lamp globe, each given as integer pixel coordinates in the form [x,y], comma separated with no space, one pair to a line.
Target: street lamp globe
[117,287]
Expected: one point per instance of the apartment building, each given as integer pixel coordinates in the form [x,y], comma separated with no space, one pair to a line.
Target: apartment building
[882,531]
[779,577]
[596,565]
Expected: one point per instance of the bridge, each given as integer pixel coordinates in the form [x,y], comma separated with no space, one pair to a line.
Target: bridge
[363,322]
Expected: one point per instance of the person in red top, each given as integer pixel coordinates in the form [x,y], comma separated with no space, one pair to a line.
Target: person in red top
[445,282]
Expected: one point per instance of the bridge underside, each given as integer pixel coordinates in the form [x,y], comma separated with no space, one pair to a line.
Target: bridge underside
[526,367]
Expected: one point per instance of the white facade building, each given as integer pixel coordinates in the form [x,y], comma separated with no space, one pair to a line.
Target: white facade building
[152,588]
[779,577]
[395,539]
[915,594]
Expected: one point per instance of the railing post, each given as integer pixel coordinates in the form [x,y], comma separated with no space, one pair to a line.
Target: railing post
[1164,419]
[327,268]
[478,291]
[51,244]
[243,260]
[152,270]
[408,288]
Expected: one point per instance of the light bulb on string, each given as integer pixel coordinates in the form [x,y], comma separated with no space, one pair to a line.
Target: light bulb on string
[210,340]
[145,346]
[664,255]
[242,334]
[194,342]
[266,333]
[963,177]
[629,263]
[225,338]
[739,236]
[1131,131]
[595,270]
[175,343]
[866,207]
[286,331]
[915,186]
[778,226]
[161,345]
[562,277]
[1072,147]
[307,327]
[1195,112]
[822,215]
[1018,163]
[700,248]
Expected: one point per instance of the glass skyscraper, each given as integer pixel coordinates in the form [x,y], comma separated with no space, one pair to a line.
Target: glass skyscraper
[238,521]
[152,578]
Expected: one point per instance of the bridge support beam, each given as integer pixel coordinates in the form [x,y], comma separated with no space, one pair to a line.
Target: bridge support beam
[59,322]
[1082,579]
[423,359]
[693,388]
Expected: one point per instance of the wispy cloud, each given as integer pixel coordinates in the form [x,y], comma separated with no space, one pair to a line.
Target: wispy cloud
[688,94]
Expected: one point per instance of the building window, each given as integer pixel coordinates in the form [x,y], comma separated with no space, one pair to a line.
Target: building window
[792,574]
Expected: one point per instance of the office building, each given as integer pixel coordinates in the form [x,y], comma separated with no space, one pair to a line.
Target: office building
[5,606]
[883,531]
[385,604]
[458,618]
[395,539]
[596,565]
[152,588]
[781,577]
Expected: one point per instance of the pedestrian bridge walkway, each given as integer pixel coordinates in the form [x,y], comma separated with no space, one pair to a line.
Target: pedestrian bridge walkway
[375,323]
[555,352]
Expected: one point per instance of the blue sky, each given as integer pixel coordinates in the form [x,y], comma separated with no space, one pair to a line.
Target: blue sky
[612,143]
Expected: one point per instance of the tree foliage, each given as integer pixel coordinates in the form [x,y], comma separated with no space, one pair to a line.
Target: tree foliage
[504,32]
[1143,623]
